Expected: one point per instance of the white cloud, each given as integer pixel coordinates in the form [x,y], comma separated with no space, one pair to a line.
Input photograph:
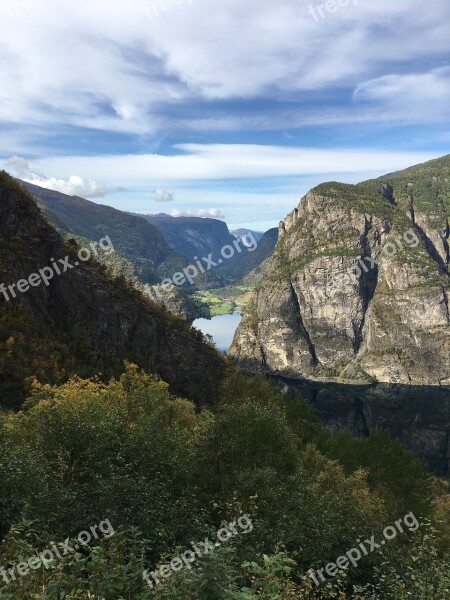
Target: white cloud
[212,213]
[255,183]
[197,162]
[162,195]
[19,167]
[73,186]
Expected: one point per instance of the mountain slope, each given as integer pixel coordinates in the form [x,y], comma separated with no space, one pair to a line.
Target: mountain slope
[192,236]
[174,298]
[242,234]
[358,286]
[83,321]
[247,262]
[132,236]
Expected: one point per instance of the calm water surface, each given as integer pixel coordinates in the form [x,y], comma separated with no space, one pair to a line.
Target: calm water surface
[222,329]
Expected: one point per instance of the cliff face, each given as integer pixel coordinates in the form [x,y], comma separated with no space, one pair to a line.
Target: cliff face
[192,236]
[417,416]
[248,262]
[85,306]
[358,286]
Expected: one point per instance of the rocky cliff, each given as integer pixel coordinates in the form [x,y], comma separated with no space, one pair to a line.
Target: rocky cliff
[83,315]
[249,263]
[358,286]
[417,416]
[192,237]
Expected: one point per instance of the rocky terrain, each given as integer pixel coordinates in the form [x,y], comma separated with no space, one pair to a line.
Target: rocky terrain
[250,262]
[358,286]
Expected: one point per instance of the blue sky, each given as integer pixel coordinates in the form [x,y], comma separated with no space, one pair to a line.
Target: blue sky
[224,108]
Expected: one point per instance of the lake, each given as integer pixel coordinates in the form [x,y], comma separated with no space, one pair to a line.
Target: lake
[222,328]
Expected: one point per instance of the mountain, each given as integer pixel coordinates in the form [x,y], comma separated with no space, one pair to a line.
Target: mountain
[174,298]
[358,287]
[132,236]
[83,322]
[249,262]
[242,234]
[192,237]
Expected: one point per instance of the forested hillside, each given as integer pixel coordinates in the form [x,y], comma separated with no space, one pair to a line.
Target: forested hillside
[134,237]
[83,322]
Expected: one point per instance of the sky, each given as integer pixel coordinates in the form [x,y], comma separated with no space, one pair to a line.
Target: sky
[227,108]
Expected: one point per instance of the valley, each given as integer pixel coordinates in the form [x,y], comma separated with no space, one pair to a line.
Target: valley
[313,381]
[224,300]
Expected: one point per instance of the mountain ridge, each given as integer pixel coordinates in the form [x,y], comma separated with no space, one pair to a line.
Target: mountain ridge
[84,321]
[192,237]
[133,236]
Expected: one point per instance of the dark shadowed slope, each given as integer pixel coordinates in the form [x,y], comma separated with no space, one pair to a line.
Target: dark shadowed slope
[249,261]
[83,322]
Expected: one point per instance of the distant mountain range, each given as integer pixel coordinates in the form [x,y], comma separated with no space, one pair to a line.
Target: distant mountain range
[195,237]
[192,237]
[243,234]
[133,237]
[151,248]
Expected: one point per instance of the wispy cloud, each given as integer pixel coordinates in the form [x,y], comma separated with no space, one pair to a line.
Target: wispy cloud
[118,107]
[150,75]
[415,97]
[200,162]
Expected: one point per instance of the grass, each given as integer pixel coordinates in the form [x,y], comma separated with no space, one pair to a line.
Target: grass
[223,301]
[214,305]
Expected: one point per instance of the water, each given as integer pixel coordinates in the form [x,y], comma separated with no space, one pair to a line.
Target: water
[222,329]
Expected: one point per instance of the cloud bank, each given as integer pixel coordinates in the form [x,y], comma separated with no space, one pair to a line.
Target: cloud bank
[211,213]
[73,186]
[129,74]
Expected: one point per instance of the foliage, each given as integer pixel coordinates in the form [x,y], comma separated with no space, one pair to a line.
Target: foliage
[421,572]
[165,475]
